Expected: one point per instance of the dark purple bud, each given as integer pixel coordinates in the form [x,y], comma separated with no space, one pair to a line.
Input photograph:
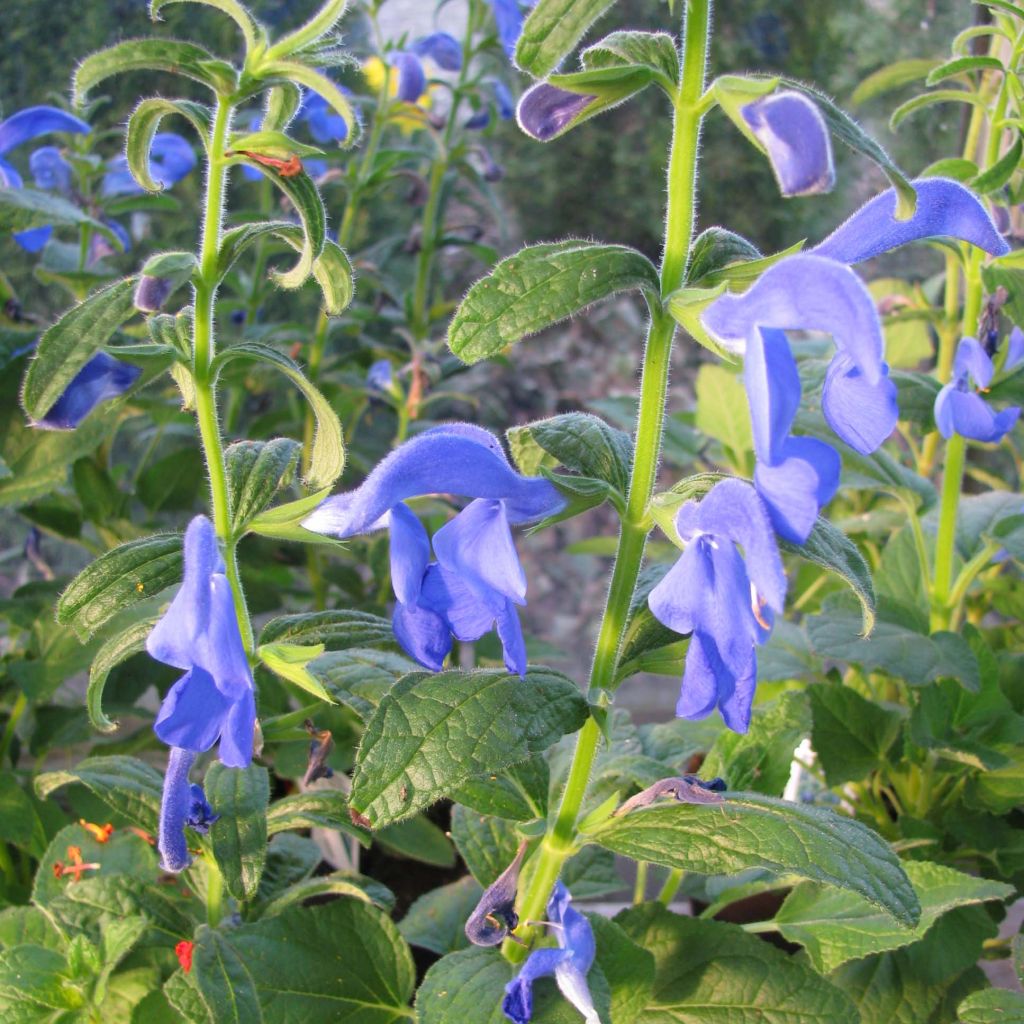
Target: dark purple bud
[411,78]
[34,554]
[545,111]
[152,292]
[320,747]
[200,814]
[686,789]
[495,915]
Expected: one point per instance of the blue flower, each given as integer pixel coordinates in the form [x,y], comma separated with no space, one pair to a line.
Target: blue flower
[380,376]
[545,110]
[199,634]
[27,124]
[102,378]
[960,410]
[412,79]
[723,599]
[171,158]
[569,963]
[183,804]
[50,170]
[793,132]
[323,123]
[495,915]
[443,49]
[508,17]
[476,581]
[503,102]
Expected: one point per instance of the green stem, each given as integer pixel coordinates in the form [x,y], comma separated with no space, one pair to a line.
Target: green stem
[671,887]
[640,882]
[945,542]
[214,892]
[203,352]
[19,709]
[682,178]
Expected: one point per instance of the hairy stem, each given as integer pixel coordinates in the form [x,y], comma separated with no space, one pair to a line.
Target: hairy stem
[682,179]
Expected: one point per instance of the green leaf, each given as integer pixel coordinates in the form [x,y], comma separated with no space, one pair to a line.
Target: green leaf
[710,971]
[892,76]
[331,269]
[929,99]
[992,1006]
[182,994]
[285,521]
[290,661]
[240,796]
[487,844]
[305,198]
[293,71]
[519,793]
[118,579]
[748,830]
[962,66]
[251,33]
[224,980]
[716,248]
[359,677]
[761,759]
[170,55]
[337,883]
[28,926]
[117,649]
[327,458]
[128,786]
[654,50]
[852,734]
[144,123]
[995,177]
[273,143]
[33,983]
[432,734]
[722,410]
[72,341]
[552,29]
[417,839]
[336,630]
[467,985]
[256,471]
[579,441]
[19,822]
[318,808]
[835,926]
[24,208]
[538,287]
[436,921]
[830,548]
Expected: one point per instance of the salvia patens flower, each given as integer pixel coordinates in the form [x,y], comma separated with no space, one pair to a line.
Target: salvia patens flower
[495,915]
[380,375]
[171,158]
[796,139]
[443,49]
[569,963]
[183,804]
[101,379]
[959,409]
[19,128]
[503,103]
[319,116]
[508,16]
[685,789]
[476,580]
[50,170]
[545,111]
[817,291]
[725,600]
[199,634]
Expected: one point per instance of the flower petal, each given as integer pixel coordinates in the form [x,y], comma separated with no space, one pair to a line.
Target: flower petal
[1014,350]
[442,48]
[101,379]
[410,553]
[773,390]
[236,738]
[797,485]
[35,121]
[861,414]
[973,361]
[969,415]
[442,461]
[545,110]
[509,18]
[49,169]
[423,634]
[477,545]
[9,176]
[518,1002]
[193,713]
[495,916]
[809,293]
[33,239]
[944,209]
[411,78]
[469,613]
[510,633]
[175,805]
[792,130]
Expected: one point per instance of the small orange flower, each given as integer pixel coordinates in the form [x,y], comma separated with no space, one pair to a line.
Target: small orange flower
[101,833]
[183,951]
[75,868]
[143,835]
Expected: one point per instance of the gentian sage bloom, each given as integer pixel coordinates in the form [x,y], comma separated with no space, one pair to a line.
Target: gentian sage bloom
[508,16]
[183,804]
[101,379]
[443,49]
[569,963]
[817,291]
[171,158]
[959,409]
[19,128]
[723,599]
[495,915]
[476,580]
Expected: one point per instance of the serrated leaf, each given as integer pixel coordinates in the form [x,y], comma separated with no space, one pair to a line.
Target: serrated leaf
[117,649]
[486,844]
[995,177]
[711,971]
[224,980]
[256,470]
[72,341]
[892,76]
[552,29]
[748,830]
[126,785]
[327,458]
[285,521]
[144,123]
[182,994]
[318,808]
[582,443]
[716,248]
[290,661]
[338,883]
[655,50]
[539,286]
[429,736]
[331,269]
[273,143]
[239,838]
[962,66]
[336,630]
[170,55]
[722,411]
[992,1006]
[830,548]
[235,11]
[436,921]
[24,208]
[835,926]
[304,75]
[519,793]
[119,578]
[359,677]
[34,982]
[417,839]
